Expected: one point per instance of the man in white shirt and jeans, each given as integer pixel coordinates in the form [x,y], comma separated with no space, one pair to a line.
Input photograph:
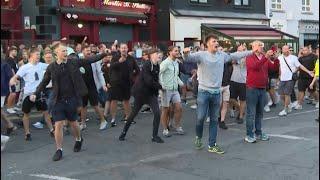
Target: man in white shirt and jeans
[32,73]
[286,82]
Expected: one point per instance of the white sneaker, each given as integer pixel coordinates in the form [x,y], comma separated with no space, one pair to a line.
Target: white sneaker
[270,103]
[294,104]
[83,126]
[283,113]
[194,106]
[208,120]
[11,111]
[298,107]
[17,109]
[180,131]
[289,109]
[38,125]
[166,133]
[103,125]
[317,105]
[267,108]
[4,140]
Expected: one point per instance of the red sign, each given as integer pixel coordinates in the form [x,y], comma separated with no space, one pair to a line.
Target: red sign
[128,5]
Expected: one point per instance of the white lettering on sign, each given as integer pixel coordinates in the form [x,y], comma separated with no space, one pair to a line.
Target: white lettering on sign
[126,4]
[81,0]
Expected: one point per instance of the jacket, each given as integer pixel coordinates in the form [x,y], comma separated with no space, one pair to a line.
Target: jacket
[169,75]
[123,74]
[6,75]
[73,65]
[147,83]
[257,71]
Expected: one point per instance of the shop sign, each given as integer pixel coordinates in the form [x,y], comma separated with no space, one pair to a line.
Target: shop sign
[122,4]
[309,27]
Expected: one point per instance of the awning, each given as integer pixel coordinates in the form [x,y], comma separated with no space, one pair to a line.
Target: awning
[238,32]
[217,14]
[103,12]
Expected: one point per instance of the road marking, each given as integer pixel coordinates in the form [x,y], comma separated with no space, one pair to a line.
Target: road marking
[45,176]
[289,137]
[275,117]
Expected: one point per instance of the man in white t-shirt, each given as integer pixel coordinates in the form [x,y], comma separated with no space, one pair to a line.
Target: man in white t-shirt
[32,73]
[286,83]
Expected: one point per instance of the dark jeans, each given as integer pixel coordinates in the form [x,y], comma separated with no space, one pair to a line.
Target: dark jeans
[139,101]
[256,100]
[208,104]
[293,94]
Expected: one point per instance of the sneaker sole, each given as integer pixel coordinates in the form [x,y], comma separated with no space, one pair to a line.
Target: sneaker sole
[249,141]
[199,148]
[215,152]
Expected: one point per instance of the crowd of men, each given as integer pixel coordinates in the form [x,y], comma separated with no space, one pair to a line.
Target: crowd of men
[61,79]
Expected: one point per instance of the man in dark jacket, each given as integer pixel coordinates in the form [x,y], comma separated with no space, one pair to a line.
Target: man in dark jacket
[145,91]
[68,87]
[123,70]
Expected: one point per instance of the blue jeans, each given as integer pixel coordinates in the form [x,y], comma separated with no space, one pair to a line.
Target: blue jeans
[256,100]
[208,104]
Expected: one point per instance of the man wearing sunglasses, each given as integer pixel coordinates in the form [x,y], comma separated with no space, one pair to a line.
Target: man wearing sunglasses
[32,73]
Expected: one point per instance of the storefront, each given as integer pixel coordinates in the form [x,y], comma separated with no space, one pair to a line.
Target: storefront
[309,33]
[107,20]
[11,19]
[231,34]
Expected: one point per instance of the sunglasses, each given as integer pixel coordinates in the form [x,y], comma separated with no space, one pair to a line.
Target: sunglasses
[36,76]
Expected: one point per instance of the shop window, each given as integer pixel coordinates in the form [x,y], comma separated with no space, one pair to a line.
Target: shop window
[306,7]
[276,4]
[241,2]
[199,1]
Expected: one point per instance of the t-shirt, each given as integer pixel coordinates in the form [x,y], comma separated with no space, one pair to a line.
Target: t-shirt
[88,78]
[239,73]
[286,74]
[32,75]
[316,69]
[308,62]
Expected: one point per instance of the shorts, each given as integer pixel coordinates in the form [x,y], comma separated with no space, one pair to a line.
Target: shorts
[286,87]
[3,99]
[119,93]
[66,109]
[168,97]
[272,83]
[27,105]
[91,97]
[238,90]
[225,92]
[103,96]
[303,85]
[184,78]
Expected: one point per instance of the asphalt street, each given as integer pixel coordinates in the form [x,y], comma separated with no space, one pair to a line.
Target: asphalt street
[291,154]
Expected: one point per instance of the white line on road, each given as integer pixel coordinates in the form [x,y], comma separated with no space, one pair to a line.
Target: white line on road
[275,117]
[289,137]
[45,176]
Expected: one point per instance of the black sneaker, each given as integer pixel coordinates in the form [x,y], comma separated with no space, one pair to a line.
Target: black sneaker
[223,125]
[239,120]
[57,156]
[10,130]
[122,136]
[157,139]
[113,124]
[28,137]
[273,105]
[77,145]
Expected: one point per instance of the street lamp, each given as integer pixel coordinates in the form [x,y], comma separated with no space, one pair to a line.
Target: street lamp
[74,16]
[80,25]
[68,15]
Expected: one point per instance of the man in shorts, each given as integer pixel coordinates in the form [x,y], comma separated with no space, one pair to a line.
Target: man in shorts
[68,87]
[288,65]
[170,81]
[32,74]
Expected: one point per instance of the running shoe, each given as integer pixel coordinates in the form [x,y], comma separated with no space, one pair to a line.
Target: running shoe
[103,125]
[179,131]
[157,139]
[198,144]
[283,113]
[250,139]
[263,137]
[38,125]
[11,111]
[215,149]
[57,156]
[166,133]
[78,145]
[4,140]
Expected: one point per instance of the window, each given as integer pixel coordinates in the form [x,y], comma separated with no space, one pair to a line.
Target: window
[276,4]
[241,2]
[199,1]
[306,6]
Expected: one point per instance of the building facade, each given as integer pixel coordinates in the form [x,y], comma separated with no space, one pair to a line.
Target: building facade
[231,20]
[296,17]
[99,20]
